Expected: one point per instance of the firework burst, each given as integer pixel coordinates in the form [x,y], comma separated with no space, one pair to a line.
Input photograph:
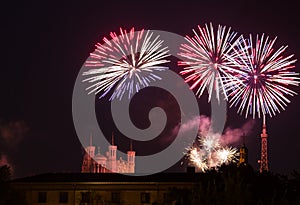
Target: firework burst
[128,62]
[227,155]
[260,86]
[210,154]
[197,157]
[206,62]
[210,142]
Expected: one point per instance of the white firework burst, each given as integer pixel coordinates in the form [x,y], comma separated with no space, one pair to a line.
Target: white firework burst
[128,62]
[206,59]
[210,154]
[260,86]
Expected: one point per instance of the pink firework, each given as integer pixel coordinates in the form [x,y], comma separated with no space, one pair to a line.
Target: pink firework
[205,59]
[126,63]
[260,83]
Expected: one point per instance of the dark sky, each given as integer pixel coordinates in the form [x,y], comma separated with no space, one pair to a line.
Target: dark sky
[43,46]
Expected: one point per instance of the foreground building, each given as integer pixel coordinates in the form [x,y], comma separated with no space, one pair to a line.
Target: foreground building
[103,189]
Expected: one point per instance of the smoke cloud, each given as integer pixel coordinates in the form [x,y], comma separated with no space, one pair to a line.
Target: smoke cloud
[235,135]
[13,132]
[5,161]
[203,127]
[189,124]
[229,136]
[205,124]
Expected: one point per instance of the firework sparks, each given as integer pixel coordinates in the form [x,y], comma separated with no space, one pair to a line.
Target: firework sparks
[128,62]
[227,155]
[210,153]
[196,157]
[206,59]
[210,142]
[260,86]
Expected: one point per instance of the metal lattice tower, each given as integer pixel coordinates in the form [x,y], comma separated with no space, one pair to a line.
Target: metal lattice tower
[264,148]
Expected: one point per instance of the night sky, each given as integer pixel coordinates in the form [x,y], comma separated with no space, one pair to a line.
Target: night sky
[44,45]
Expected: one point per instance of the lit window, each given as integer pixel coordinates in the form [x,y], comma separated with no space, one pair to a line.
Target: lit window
[63,197]
[42,197]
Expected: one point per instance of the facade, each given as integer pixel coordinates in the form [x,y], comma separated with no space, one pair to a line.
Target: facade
[98,163]
[103,189]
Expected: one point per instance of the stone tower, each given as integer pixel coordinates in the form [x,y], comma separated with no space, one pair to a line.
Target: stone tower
[131,159]
[112,156]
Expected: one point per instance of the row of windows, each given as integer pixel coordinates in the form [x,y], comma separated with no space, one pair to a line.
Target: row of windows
[86,197]
[63,197]
[115,197]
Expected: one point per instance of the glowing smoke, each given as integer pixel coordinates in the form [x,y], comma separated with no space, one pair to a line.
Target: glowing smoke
[5,161]
[229,136]
[211,150]
[235,135]
[11,134]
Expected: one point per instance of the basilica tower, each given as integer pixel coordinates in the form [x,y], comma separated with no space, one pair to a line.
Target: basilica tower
[131,159]
[112,156]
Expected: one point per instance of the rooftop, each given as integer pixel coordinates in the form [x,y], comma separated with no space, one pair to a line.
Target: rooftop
[109,177]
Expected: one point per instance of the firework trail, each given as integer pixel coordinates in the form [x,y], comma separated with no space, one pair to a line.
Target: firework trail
[206,59]
[208,153]
[262,77]
[128,62]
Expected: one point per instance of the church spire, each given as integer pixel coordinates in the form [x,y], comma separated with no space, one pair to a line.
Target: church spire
[130,145]
[112,139]
[91,140]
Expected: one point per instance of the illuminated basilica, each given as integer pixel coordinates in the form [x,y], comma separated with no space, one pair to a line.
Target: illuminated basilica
[98,163]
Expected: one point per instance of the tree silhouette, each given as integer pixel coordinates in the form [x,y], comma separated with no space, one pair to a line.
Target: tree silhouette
[8,195]
[241,185]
